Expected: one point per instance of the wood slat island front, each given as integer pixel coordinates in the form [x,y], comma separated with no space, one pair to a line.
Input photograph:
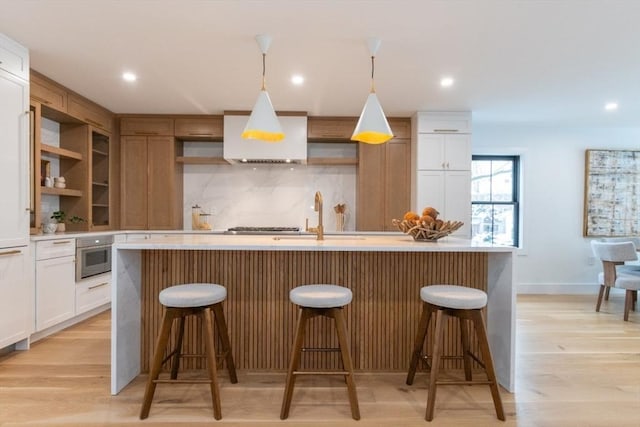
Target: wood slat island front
[385,274]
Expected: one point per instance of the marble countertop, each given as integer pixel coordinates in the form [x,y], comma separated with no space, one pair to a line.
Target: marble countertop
[392,242]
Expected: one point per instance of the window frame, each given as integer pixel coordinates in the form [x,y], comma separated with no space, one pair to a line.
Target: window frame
[515,190]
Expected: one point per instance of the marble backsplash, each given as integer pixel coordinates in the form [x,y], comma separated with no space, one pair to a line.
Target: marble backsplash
[269,195]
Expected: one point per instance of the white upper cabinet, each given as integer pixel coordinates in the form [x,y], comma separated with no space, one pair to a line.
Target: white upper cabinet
[14,58]
[14,145]
[444,152]
[443,122]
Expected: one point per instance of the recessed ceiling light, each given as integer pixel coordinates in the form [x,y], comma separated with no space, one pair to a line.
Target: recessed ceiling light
[611,106]
[297,79]
[129,77]
[446,81]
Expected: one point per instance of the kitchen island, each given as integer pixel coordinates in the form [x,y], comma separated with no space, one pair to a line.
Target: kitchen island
[384,272]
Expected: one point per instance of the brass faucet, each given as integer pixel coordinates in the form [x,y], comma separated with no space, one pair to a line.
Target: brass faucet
[319,230]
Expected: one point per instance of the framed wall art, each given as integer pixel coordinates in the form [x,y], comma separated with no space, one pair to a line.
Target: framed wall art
[612,193]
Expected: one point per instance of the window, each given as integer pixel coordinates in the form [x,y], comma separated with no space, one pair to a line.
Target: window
[495,199]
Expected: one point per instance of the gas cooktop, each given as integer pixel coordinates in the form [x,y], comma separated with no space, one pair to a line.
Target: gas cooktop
[262,230]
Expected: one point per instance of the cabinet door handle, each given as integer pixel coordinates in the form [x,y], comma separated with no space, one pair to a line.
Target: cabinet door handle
[446,130]
[200,134]
[97,286]
[61,242]
[13,252]
[447,165]
[138,132]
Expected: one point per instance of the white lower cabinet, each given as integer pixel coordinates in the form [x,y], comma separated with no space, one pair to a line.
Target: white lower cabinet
[55,291]
[55,282]
[450,193]
[16,296]
[93,292]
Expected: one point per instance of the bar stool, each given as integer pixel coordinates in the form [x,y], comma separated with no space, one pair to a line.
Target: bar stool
[198,299]
[465,304]
[328,301]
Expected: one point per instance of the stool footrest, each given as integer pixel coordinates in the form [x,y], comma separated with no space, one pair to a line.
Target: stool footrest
[194,381]
[319,349]
[462,382]
[321,373]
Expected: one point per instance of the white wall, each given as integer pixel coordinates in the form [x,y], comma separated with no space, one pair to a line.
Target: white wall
[555,258]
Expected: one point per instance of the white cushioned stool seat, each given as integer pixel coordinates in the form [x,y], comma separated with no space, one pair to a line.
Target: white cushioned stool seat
[193,295]
[320,296]
[452,296]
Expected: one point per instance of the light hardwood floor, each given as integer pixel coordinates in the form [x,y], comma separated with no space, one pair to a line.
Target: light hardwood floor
[575,367]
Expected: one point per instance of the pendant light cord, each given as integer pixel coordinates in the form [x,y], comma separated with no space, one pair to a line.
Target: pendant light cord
[264,56]
[373,88]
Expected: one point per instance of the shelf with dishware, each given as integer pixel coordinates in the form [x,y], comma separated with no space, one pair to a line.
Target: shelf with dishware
[72,164]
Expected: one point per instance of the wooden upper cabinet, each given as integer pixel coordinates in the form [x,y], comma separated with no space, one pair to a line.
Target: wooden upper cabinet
[48,92]
[330,128]
[199,128]
[401,128]
[146,126]
[89,112]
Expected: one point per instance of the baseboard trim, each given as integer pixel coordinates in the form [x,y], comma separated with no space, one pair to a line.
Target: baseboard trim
[561,288]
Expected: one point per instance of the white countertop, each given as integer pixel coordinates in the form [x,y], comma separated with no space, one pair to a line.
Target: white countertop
[393,242]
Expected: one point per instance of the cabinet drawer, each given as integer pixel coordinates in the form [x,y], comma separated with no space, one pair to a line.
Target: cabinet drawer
[331,128]
[47,93]
[92,293]
[55,248]
[146,126]
[445,122]
[89,112]
[14,62]
[199,128]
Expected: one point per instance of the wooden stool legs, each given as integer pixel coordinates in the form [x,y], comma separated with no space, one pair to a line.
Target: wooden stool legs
[204,313]
[442,314]
[307,313]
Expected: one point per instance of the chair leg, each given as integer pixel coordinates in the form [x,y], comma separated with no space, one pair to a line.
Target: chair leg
[175,365]
[466,350]
[600,295]
[423,326]
[305,314]
[441,319]
[481,331]
[628,303]
[161,344]
[341,329]
[210,350]
[606,293]
[226,343]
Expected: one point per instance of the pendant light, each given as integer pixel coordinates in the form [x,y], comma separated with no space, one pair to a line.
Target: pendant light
[372,127]
[263,123]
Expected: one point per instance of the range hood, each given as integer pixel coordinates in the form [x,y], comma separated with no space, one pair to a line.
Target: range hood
[292,149]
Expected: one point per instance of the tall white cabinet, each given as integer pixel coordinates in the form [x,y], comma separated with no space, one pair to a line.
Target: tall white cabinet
[16,281]
[442,165]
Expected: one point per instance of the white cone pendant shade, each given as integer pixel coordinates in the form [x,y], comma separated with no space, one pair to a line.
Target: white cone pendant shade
[372,127]
[263,123]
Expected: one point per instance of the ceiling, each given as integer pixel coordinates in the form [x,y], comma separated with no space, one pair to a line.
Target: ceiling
[542,62]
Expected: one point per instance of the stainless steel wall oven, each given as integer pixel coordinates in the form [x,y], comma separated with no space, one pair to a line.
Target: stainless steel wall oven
[93,256]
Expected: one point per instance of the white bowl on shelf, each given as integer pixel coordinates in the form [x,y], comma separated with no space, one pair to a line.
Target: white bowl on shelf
[60,185]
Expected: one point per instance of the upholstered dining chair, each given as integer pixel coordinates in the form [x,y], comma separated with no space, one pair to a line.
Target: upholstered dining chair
[615,273]
[635,265]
